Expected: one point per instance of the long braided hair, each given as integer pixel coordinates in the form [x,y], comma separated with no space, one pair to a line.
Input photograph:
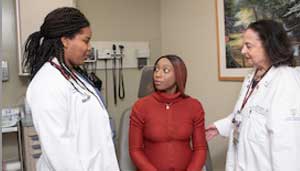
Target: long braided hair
[43,45]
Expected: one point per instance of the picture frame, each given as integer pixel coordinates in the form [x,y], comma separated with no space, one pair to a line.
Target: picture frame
[233,17]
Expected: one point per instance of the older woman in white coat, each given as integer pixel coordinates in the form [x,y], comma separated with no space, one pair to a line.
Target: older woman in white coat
[264,127]
[68,114]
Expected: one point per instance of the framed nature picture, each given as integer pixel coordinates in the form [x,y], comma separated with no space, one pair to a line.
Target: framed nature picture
[233,17]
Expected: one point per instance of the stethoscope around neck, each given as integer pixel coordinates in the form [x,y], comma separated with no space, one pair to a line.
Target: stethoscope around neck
[74,80]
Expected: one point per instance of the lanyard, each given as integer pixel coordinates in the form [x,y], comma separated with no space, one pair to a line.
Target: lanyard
[58,67]
[71,76]
[237,119]
[249,92]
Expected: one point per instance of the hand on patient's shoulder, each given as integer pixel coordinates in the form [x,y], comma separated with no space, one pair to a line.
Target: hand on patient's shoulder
[211,132]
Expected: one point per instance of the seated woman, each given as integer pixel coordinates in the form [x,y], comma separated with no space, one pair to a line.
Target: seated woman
[163,123]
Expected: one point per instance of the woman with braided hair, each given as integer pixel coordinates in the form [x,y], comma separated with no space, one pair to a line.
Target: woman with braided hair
[68,114]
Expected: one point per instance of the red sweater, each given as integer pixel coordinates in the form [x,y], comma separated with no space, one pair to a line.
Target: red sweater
[161,126]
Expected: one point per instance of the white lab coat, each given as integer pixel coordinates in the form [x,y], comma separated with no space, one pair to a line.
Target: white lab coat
[75,134]
[270,128]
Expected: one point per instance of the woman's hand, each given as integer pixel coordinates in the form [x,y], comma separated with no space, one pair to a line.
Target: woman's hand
[211,132]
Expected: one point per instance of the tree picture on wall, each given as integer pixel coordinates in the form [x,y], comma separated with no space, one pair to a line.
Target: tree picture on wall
[233,18]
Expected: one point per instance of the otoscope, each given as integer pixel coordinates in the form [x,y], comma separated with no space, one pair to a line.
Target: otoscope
[114,48]
[121,78]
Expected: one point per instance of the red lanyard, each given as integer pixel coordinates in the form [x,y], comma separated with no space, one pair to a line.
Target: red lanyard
[248,94]
[58,67]
[67,76]
[75,78]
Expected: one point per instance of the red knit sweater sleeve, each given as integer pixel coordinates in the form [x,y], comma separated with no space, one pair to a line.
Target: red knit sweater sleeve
[199,141]
[136,145]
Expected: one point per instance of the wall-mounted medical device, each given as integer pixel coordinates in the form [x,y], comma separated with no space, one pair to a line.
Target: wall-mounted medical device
[114,56]
[131,52]
[92,57]
[142,56]
[4,66]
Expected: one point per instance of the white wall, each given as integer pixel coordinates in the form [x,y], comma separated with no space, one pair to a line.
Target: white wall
[184,27]
[111,20]
[124,20]
[13,90]
[1,81]
[188,28]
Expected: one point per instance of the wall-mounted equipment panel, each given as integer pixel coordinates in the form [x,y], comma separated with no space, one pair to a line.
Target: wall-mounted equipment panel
[106,51]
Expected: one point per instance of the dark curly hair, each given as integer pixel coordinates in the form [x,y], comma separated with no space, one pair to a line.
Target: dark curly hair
[275,41]
[43,45]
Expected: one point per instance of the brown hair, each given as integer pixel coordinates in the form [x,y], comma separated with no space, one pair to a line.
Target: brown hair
[275,41]
[179,70]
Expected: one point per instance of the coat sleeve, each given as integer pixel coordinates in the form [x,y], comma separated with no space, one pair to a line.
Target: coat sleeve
[224,125]
[199,141]
[49,105]
[283,125]
[136,144]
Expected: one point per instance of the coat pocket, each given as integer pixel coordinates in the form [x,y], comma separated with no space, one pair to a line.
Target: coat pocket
[257,130]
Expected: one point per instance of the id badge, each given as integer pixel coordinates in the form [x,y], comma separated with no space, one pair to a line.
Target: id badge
[236,127]
[236,135]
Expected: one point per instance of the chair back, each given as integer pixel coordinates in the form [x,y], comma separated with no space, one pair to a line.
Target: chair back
[145,88]
[124,158]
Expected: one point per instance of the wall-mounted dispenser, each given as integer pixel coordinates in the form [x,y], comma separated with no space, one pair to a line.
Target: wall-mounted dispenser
[142,56]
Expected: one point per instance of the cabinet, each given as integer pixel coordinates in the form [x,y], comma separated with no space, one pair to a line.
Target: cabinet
[31,148]
[28,148]
[29,16]
[12,161]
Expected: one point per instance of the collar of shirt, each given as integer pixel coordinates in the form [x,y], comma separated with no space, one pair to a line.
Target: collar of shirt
[167,98]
